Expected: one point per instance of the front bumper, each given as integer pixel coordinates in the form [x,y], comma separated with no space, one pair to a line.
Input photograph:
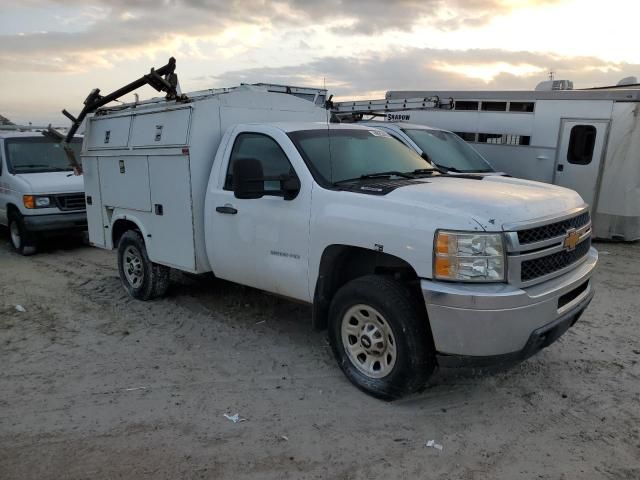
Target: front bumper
[475,324]
[56,222]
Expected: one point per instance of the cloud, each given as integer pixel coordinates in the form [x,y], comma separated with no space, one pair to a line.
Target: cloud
[425,69]
[135,27]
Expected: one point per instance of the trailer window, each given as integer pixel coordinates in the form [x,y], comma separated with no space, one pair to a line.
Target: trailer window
[466,105]
[504,139]
[466,136]
[521,106]
[265,149]
[494,106]
[581,144]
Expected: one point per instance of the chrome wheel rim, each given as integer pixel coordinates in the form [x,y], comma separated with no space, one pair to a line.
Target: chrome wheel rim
[133,267]
[15,235]
[368,340]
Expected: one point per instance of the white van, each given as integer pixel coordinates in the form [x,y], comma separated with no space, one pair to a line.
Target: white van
[39,192]
[441,147]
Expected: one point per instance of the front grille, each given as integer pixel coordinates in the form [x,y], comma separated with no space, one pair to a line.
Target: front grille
[71,201]
[552,230]
[539,267]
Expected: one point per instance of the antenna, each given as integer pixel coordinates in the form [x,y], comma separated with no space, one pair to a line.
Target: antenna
[551,75]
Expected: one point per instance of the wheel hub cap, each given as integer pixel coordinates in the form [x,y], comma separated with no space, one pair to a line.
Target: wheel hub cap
[133,267]
[369,341]
[15,235]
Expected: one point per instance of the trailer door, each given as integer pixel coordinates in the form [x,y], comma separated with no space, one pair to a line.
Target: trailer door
[580,154]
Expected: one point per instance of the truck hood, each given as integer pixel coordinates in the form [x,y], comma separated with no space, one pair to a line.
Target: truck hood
[53,182]
[492,201]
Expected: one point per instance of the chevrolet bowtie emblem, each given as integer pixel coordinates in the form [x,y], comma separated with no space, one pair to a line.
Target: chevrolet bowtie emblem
[571,240]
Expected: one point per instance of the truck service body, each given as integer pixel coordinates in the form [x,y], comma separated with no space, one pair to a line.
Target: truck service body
[406,269]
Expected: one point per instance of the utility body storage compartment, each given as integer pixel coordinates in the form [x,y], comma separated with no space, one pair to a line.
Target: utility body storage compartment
[150,164]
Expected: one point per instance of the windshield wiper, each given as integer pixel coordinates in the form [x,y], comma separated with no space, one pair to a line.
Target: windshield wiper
[32,165]
[425,171]
[368,176]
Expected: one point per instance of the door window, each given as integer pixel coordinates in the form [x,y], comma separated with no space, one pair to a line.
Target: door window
[581,144]
[264,149]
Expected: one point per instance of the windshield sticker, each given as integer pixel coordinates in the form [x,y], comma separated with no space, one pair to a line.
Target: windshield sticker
[379,133]
[394,117]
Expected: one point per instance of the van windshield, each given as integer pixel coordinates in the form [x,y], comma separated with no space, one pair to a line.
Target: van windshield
[38,154]
[340,155]
[448,150]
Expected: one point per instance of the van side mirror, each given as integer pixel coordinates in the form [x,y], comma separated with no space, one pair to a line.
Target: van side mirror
[248,178]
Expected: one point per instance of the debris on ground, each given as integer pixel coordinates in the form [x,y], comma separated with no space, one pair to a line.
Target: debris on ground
[236,418]
[20,308]
[134,388]
[433,444]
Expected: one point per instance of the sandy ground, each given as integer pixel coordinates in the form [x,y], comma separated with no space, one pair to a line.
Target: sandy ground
[94,385]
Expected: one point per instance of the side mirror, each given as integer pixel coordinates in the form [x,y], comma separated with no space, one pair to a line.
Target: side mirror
[290,186]
[248,178]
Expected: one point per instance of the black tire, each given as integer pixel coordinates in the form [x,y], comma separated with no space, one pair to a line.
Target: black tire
[22,241]
[152,278]
[400,308]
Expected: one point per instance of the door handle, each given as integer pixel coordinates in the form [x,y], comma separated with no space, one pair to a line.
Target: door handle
[560,167]
[228,209]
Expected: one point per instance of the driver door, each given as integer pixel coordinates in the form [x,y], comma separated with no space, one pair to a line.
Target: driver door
[263,242]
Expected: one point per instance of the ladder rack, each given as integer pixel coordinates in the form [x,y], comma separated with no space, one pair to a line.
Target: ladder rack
[384,106]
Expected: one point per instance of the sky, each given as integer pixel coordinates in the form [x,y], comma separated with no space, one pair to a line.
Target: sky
[53,52]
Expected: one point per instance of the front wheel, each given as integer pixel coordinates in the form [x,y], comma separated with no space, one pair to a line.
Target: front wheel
[141,278]
[380,336]
[21,239]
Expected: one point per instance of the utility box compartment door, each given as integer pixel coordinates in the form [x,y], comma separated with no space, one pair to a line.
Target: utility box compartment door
[171,221]
[91,175]
[125,182]
[161,128]
[105,133]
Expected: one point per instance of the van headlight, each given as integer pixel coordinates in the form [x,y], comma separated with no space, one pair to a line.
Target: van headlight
[469,257]
[36,201]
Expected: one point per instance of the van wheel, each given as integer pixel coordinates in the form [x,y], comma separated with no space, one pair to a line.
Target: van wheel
[21,239]
[141,278]
[380,336]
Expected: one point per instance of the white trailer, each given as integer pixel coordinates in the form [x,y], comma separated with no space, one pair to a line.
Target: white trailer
[586,140]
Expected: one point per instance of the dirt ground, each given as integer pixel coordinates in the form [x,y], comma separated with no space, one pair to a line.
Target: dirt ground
[94,385]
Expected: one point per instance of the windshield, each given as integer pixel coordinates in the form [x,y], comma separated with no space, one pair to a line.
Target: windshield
[37,155]
[338,155]
[447,150]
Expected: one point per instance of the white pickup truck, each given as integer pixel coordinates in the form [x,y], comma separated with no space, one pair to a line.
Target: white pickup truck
[39,194]
[407,268]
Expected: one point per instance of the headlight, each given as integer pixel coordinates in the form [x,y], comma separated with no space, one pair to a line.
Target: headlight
[469,257]
[36,201]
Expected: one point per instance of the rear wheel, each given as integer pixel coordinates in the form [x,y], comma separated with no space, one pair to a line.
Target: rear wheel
[21,239]
[380,336]
[141,278]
